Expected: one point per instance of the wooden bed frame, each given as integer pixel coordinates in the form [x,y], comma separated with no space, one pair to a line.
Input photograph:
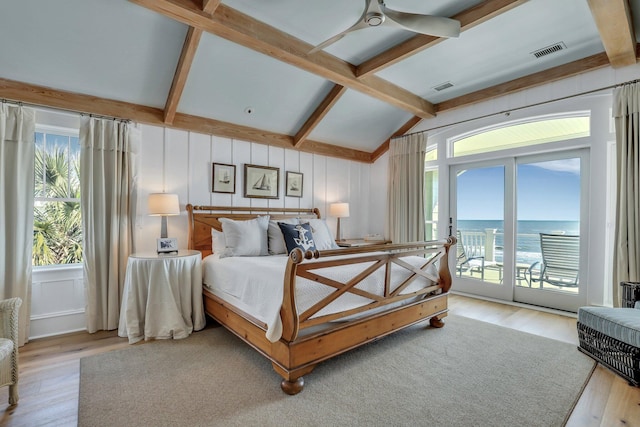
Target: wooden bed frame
[308,340]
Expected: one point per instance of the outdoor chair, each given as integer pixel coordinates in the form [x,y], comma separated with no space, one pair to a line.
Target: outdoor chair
[9,346]
[560,261]
[464,262]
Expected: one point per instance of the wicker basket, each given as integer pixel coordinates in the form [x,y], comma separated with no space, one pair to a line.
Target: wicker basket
[630,293]
[618,356]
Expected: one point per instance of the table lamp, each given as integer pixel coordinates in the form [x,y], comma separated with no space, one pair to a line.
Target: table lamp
[164,205]
[339,210]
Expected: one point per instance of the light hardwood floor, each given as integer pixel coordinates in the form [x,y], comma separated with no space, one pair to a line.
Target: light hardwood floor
[49,370]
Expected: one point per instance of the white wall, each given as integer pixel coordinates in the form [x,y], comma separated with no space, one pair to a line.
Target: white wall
[176,161]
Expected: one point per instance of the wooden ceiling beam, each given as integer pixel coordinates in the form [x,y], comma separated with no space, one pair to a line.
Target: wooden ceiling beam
[80,103]
[241,29]
[384,147]
[543,77]
[468,19]
[615,25]
[210,6]
[191,42]
[327,103]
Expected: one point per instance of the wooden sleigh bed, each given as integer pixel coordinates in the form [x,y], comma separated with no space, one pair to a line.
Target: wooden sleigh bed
[308,338]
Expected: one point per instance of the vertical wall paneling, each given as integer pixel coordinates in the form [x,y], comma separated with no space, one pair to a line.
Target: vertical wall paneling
[320,184]
[241,156]
[337,190]
[150,180]
[176,180]
[200,172]
[306,167]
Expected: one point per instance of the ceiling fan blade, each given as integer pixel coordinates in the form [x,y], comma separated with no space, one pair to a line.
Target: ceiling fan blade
[359,25]
[424,24]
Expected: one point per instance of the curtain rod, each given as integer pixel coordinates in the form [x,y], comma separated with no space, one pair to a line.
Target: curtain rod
[98,116]
[520,108]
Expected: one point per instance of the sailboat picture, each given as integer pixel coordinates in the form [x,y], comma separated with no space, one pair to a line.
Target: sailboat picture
[261,181]
[224,178]
[294,184]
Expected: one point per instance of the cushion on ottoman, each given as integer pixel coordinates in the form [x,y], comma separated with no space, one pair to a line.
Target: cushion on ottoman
[622,324]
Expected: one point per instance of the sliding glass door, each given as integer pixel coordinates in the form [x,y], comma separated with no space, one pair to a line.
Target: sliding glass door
[550,199]
[518,222]
[479,213]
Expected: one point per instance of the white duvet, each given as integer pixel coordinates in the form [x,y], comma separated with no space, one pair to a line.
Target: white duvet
[255,285]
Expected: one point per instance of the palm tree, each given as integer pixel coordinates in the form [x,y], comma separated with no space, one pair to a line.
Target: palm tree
[57,227]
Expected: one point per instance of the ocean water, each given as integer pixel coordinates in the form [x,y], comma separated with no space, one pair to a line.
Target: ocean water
[528,235]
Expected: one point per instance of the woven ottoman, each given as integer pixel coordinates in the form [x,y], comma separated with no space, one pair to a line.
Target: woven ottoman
[612,337]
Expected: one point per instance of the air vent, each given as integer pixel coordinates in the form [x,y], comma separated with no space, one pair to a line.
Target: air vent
[549,50]
[443,86]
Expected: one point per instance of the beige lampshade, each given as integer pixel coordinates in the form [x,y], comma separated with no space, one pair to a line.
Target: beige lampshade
[163,204]
[339,210]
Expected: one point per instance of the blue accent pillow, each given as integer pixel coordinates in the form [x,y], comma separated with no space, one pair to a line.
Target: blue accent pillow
[297,236]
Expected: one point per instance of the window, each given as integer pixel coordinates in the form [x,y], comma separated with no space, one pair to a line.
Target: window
[57,227]
[536,130]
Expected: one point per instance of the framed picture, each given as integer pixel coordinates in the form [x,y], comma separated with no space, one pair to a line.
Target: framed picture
[261,181]
[294,184]
[167,244]
[224,178]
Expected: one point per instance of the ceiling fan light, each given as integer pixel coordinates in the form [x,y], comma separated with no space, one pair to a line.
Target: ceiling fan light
[373,19]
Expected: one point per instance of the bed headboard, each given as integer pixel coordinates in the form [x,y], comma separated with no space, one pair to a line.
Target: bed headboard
[203,218]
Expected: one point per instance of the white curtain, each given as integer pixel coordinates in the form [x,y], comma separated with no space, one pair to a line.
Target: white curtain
[108,185]
[17,172]
[405,213]
[626,111]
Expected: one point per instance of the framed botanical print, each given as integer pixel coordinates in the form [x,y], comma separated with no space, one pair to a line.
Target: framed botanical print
[224,178]
[261,181]
[294,184]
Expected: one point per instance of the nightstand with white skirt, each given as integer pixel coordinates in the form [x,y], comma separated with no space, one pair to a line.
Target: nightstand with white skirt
[162,296]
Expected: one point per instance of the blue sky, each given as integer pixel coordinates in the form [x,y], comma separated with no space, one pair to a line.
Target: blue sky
[545,191]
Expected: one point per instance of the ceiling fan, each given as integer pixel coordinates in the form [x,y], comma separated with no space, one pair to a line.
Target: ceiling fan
[376,13]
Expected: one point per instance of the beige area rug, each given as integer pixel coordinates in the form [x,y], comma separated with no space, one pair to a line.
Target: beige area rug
[469,373]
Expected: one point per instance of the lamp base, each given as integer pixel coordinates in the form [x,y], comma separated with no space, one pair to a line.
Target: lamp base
[163,227]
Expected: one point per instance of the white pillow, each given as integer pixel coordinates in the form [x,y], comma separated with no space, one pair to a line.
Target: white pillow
[246,238]
[321,234]
[276,238]
[218,241]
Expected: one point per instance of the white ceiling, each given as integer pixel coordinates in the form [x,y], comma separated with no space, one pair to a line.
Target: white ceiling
[121,51]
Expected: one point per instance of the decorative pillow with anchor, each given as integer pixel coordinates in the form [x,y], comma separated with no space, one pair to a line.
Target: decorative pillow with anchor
[297,236]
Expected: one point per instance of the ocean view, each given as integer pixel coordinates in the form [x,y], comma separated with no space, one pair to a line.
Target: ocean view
[528,241]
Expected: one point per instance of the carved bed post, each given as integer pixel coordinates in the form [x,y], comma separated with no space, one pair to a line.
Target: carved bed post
[288,312]
[445,277]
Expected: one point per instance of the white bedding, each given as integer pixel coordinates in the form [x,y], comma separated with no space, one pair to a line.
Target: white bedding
[255,285]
